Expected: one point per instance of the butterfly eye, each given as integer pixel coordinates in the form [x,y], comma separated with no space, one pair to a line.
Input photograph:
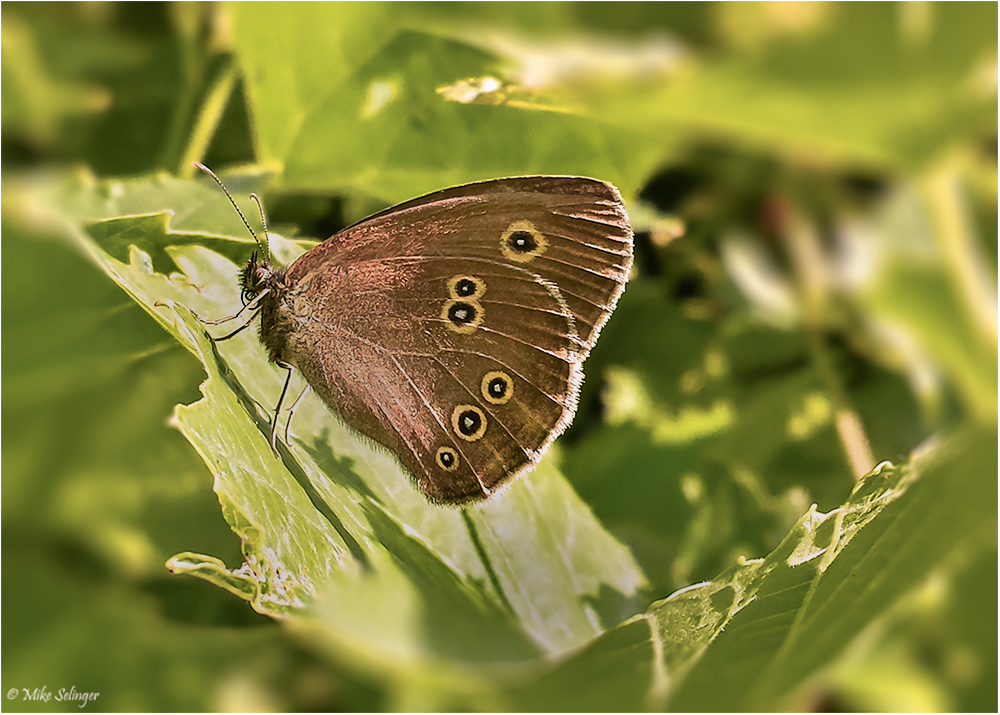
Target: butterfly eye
[257,275]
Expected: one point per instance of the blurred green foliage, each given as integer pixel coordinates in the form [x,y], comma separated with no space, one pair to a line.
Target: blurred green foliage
[814,191]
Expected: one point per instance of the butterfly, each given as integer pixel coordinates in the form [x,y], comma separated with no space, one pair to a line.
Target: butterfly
[452,328]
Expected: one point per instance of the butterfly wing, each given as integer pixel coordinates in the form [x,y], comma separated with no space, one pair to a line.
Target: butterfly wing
[452,328]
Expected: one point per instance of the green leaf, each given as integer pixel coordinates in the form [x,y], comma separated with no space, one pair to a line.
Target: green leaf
[843,84]
[405,137]
[835,573]
[766,627]
[334,534]
[294,61]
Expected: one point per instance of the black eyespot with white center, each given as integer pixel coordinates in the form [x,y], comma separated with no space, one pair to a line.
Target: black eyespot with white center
[522,242]
[463,316]
[447,458]
[466,286]
[469,422]
[497,388]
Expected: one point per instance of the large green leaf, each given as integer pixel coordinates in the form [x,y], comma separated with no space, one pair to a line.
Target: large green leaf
[764,628]
[858,84]
[333,533]
[374,122]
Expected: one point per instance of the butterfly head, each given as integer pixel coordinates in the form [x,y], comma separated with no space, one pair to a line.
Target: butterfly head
[258,275]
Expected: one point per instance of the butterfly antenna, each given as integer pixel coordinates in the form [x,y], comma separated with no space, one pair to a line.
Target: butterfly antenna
[266,245]
[263,244]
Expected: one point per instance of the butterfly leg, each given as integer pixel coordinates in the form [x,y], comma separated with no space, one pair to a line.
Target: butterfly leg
[232,334]
[277,408]
[251,306]
[291,410]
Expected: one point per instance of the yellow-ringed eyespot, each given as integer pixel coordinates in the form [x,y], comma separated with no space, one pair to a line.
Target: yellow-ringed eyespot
[497,388]
[469,422]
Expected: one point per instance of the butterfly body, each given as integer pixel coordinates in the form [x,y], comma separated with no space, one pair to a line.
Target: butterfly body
[452,329]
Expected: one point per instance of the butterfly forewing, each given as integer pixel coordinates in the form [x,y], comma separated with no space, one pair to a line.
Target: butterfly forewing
[588,241]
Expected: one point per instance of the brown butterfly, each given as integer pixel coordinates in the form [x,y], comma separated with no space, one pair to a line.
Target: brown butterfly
[452,328]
